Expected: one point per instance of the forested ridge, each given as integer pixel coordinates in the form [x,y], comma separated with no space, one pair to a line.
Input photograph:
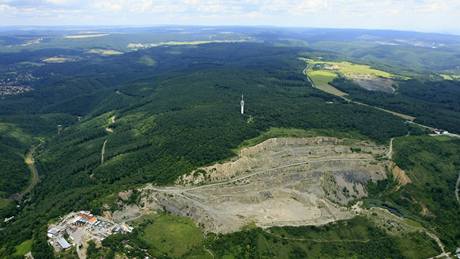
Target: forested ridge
[171,118]
[433,103]
[181,115]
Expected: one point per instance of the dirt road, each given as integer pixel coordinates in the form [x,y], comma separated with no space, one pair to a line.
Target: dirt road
[30,162]
[390,149]
[103,151]
[278,182]
[444,254]
[180,189]
[457,189]
[109,130]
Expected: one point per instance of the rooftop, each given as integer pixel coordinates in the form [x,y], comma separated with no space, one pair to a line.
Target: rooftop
[63,243]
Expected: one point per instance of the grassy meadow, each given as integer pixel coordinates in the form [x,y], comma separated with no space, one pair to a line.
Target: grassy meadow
[173,236]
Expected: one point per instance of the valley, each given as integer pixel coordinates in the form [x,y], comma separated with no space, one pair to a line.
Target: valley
[347,148]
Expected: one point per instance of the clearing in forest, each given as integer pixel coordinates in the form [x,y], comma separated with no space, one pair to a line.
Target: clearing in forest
[59,60]
[450,76]
[105,52]
[86,35]
[322,73]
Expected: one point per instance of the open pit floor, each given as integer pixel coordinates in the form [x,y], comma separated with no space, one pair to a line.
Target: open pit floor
[279,182]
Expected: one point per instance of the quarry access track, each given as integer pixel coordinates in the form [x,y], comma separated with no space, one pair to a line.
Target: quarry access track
[279,182]
[457,189]
[185,189]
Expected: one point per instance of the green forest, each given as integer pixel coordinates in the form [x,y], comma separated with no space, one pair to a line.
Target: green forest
[163,119]
[433,103]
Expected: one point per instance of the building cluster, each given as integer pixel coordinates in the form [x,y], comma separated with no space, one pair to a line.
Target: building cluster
[77,228]
[6,90]
[440,132]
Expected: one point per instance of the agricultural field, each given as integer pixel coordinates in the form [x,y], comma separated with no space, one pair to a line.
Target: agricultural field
[59,60]
[137,46]
[323,73]
[86,36]
[105,52]
[153,135]
[450,77]
[349,69]
[323,79]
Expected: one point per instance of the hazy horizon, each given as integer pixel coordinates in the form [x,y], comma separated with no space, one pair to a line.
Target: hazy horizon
[436,16]
[102,27]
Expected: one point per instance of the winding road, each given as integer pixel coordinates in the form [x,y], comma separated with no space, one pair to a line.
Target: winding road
[30,162]
[109,130]
[409,119]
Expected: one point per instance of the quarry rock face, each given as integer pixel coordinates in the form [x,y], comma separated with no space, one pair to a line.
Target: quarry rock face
[279,182]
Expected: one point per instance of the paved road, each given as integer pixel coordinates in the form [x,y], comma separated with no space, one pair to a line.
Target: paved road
[408,118]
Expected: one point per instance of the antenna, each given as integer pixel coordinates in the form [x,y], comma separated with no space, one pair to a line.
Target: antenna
[242,104]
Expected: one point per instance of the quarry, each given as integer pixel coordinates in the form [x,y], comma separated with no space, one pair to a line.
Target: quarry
[279,182]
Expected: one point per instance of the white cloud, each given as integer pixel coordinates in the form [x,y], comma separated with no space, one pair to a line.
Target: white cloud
[5,8]
[395,14]
[58,2]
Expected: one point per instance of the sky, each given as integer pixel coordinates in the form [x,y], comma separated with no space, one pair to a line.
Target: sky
[419,15]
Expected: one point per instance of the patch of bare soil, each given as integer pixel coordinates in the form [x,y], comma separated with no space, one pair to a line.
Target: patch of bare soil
[373,83]
[399,175]
[425,211]
[280,182]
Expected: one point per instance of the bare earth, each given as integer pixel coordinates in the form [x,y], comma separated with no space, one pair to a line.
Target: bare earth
[280,182]
[373,83]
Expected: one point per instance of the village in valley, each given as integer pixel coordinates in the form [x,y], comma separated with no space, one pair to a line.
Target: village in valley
[77,228]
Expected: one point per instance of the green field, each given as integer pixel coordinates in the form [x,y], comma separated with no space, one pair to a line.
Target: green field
[322,79]
[168,236]
[177,109]
[23,248]
[450,77]
[4,203]
[173,236]
[349,69]
[323,73]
